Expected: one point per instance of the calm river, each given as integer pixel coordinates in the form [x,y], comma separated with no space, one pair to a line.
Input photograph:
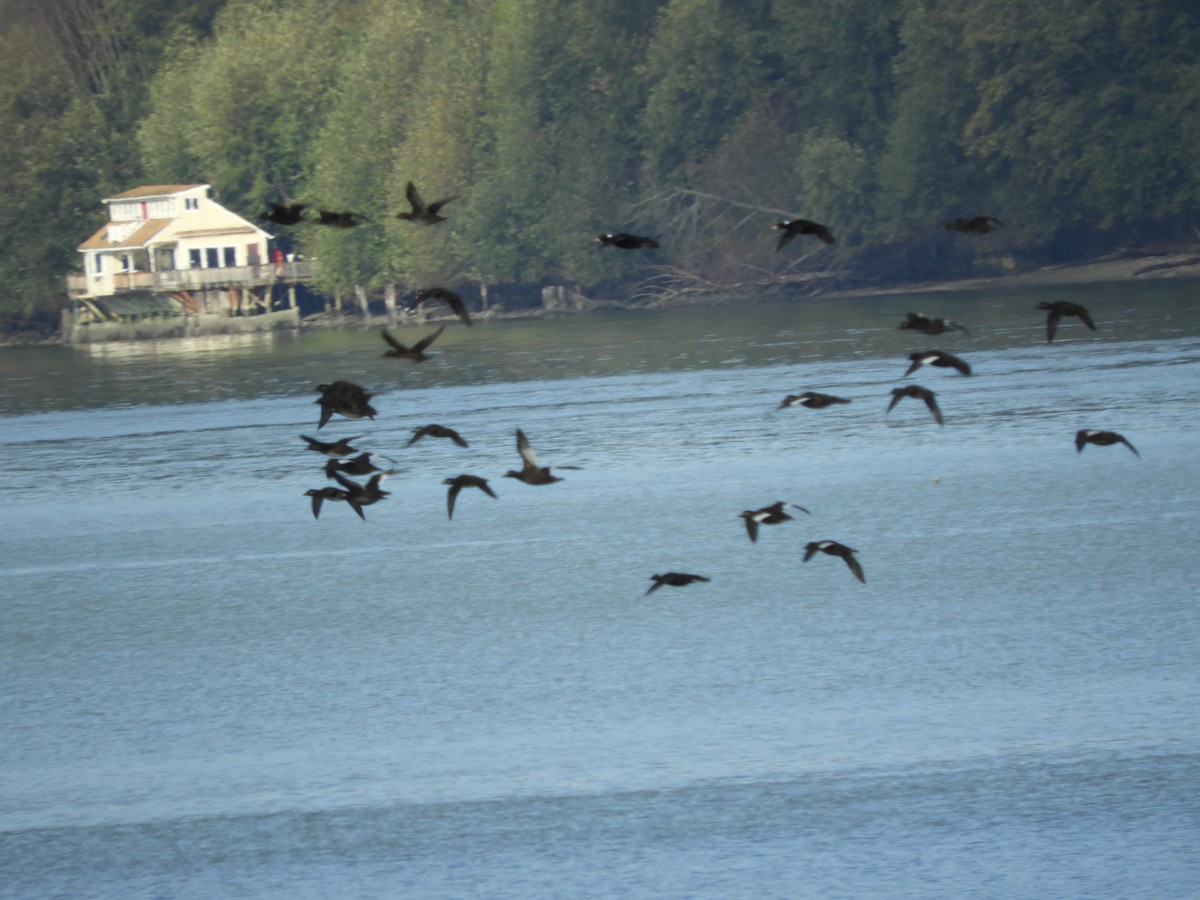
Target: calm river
[208,693]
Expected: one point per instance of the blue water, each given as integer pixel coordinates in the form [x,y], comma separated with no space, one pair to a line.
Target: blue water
[209,694]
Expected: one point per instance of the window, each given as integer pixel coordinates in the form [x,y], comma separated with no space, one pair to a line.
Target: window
[230,257]
[212,259]
[191,203]
[97,263]
[194,258]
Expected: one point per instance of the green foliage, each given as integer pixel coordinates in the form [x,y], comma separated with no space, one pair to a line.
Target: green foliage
[699,121]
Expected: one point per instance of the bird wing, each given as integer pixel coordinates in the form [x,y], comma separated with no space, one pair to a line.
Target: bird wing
[526,451]
[855,567]
[434,207]
[1086,318]
[752,527]
[428,339]
[1130,446]
[414,199]
[1052,320]
[916,364]
[456,304]
[784,239]
[451,496]
[897,395]
[326,415]
[456,437]
[932,403]
[418,433]
[400,348]
[810,550]
[317,500]
[801,508]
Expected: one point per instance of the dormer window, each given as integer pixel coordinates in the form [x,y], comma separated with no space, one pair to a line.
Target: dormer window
[191,202]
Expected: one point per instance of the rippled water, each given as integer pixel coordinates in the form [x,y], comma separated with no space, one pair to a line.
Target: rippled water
[208,693]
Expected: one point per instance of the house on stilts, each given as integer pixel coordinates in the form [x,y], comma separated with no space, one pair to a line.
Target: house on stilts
[171,261]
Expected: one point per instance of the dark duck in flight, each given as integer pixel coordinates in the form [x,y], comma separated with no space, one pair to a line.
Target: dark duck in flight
[927,325]
[1059,308]
[416,352]
[422,213]
[918,393]
[673,579]
[436,431]
[320,495]
[974,225]
[1087,436]
[359,465]
[833,548]
[284,213]
[457,483]
[936,358]
[451,299]
[360,495]
[768,515]
[811,400]
[532,471]
[345,399]
[791,228]
[335,449]
[627,241]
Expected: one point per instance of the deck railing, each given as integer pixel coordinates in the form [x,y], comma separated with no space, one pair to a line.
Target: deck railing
[199,279]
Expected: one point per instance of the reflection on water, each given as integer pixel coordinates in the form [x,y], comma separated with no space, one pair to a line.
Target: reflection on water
[590,345]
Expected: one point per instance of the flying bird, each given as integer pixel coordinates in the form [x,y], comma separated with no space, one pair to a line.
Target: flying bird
[811,400]
[284,213]
[422,213]
[360,495]
[931,326]
[974,225]
[335,449]
[457,483]
[532,472]
[1060,308]
[451,299]
[936,358]
[833,548]
[345,399]
[437,431]
[626,241]
[674,579]
[359,465]
[918,393]
[793,227]
[1100,439]
[768,515]
[416,352]
[320,495]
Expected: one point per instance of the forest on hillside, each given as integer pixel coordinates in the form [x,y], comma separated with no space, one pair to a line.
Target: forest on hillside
[701,122]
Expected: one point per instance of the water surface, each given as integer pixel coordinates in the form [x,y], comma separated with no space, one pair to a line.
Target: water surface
[209,693]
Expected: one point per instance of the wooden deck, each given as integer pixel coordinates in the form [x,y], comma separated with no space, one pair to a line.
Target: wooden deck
[173,280]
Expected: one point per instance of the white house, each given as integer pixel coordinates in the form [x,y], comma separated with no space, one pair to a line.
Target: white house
[168,237]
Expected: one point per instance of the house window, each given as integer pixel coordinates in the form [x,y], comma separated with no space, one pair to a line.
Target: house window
[191,203]
[230,257]
[164,259]
[212,259]
[98,263]
[194,258]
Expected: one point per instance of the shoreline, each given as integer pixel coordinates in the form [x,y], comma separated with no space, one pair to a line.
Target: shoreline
[1103,270]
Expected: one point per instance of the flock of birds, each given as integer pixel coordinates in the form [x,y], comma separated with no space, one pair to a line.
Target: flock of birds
[351,401]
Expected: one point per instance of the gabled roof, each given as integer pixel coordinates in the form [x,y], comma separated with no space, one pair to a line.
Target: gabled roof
[155,190]
[138,238]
